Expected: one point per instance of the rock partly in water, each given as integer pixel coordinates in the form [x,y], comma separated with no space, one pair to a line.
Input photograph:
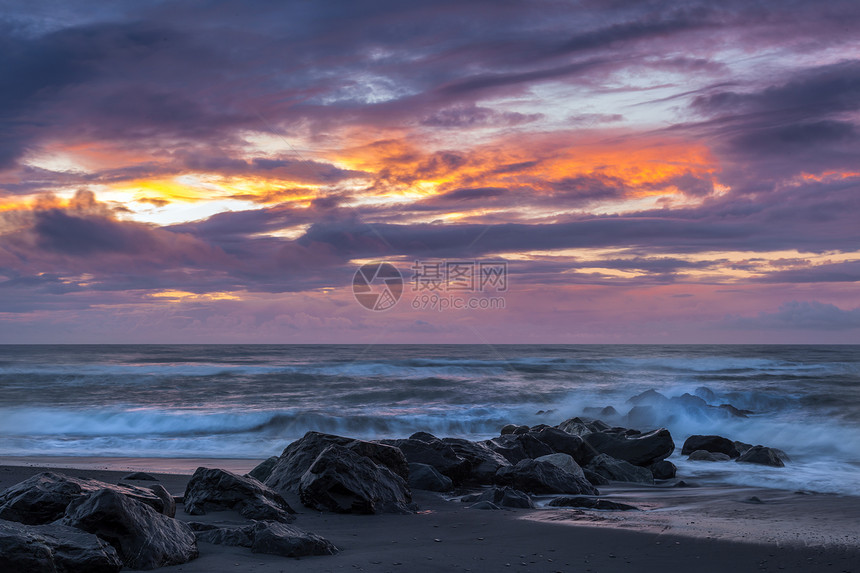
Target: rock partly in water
[212,489]
[761,455]
[706,456]
[422,476]
[270,537]
[263,470]
[298,457]
[44,497]
[639,450]
[54,549]
[664,469]
[618,470]
[716,444]
[142,537]
[543,477]
[343,481]
[591,503]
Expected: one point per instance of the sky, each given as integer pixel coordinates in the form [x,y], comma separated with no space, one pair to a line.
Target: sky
[216,172]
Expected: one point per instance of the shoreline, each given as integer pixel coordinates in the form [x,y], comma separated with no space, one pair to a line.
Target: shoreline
[709,528]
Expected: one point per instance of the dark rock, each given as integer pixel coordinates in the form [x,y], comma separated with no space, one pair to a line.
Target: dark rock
[564,462]
[753,499]
[44,497]
[762,456]
[640,450]
[542,477]
[268,537]
[54,549]
[642,415]
[484,505]
[483,461]
[434,453]
[690,402]
[169,508]
[562,442]
[539,427]
[591,503]
[594,478]
[522,430]
[651,397]
[506,497]
[143,538]
[706,456]
[517,447]
[741,446]
[298,457]
[736,412]
[619,470]
[781,454]
[581,426]
[264,469]
[717,444]
[343,481]
[422,476]
[508,429]
[607,412]
[423,437]
[664,469]
[682,483]
[140,476]
[219,490]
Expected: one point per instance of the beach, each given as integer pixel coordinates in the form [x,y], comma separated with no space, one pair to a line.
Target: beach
[702,529]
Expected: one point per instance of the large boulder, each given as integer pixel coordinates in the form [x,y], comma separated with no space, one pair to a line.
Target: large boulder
[563,442]
[298,457]
[483,461]
[422,476]
[263,470]
[563,462]
[762,456]
[343,481]
[664,469]
[543,477]
[639,450]
[517,447]
[619,470]
[501,497]
[268,537]
[716,444]
[424,448]
[212,489]
[142,537]
[54,549]
[44,497]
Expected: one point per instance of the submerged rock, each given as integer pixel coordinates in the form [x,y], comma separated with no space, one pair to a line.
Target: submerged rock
[716,444]
[54,548]
[142,537]
[219,490]
[543,477]
[44,497]
[762,456]
[343,481]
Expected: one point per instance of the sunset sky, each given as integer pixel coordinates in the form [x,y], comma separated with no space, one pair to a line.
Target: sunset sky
[210,171]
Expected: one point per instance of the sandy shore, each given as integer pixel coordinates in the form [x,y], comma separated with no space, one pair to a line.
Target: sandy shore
[701,529]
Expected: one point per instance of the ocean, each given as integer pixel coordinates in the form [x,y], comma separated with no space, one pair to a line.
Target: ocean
[236,401]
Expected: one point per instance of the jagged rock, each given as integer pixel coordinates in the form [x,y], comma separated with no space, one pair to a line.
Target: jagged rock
[343,481]
[268,537]
[741,446]
[562,461]
[212,489]
[263,470]
[594,478]
[705,393]
[664,469]
[143,538]
[706,456]
[54,549]
[542,477]
[516,447]
[579,426]
[562,442]
[619,470]
[44,497]
[169,508]
[761,455]
[140,476]
[717,444]
[639,450]
[651,397]
[591,503]
[299,455]
[434,452]
[483,461]
[506,497]
[607,412]
[422,476]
